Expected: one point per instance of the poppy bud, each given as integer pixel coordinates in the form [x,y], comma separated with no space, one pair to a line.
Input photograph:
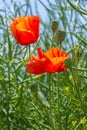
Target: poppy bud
[54,25]
[61,35]
[34,88]
[68,62]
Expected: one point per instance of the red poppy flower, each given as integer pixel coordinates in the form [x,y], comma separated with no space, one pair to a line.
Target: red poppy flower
[25,29]
[51,61]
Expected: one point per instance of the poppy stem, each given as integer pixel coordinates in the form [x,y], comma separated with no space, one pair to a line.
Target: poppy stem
[29,52]
[51,102]
[76,86]
[60,45]
[58,97]
[29,59]
[9,80]
[52,40]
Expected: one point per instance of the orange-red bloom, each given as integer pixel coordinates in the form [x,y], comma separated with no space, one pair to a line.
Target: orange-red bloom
[51,61]
[25,29]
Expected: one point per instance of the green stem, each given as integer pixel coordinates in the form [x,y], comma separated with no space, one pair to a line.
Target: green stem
[36,45]
[82,41]
[50,102]
[8,97]
[60,45]
[76,8]
[33,78]
[58,96]
[76,86]
[80,69]
[9,83]
[10,50]
[29,59]
[52,41]
[29,52]
[53,103]
[3,60]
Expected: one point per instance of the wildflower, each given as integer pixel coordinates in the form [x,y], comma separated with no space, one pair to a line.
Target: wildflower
[76,47]
[20,87]
[50,61]
[83,121]
[25,29]
[71,77]
[74,122]
[67,89]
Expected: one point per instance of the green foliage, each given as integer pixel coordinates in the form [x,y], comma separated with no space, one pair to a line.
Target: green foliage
[55,101]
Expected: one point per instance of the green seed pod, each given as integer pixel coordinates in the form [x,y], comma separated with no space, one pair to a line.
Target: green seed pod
[61,35]
[68,62]
[54,25]
[34,88]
